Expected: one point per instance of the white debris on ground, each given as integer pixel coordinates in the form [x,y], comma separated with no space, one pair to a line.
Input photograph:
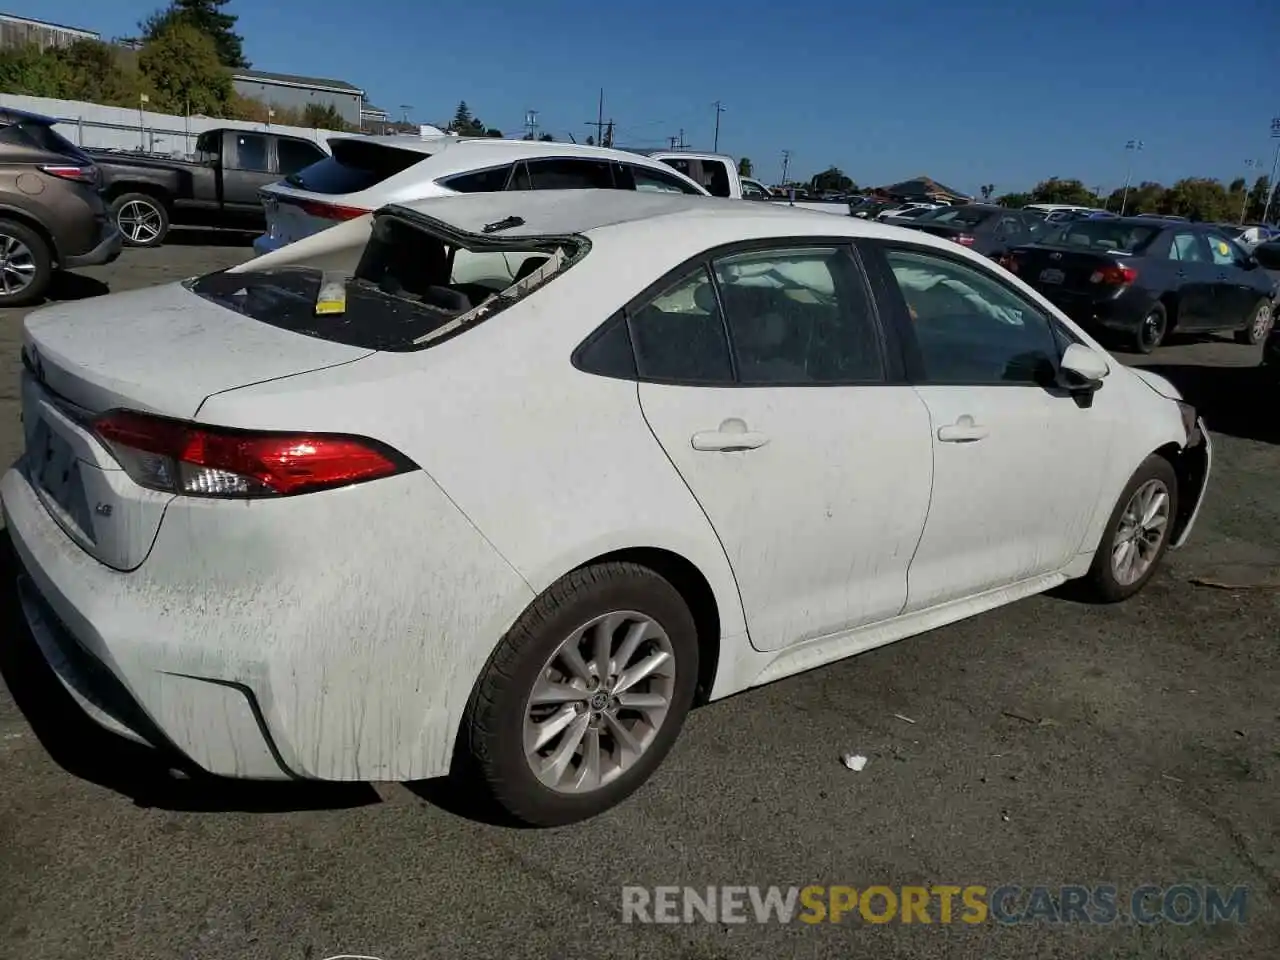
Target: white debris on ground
[854,761]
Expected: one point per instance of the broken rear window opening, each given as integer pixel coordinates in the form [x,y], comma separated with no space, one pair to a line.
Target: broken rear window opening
[355,165]
[411,288]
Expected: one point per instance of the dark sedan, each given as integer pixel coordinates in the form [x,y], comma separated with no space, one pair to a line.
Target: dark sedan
[1139,278]
[983,228]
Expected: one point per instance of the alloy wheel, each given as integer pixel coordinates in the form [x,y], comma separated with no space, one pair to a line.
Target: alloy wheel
[1153,329]
[139,221]
[1140,533]
[17,265]
[598,702]
[1262,322]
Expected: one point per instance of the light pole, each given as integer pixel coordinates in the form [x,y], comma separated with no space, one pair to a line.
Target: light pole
[1271,184]
[1244,204]
[786,162]
[1132,147]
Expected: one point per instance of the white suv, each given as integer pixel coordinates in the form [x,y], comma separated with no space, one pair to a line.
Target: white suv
[365,173]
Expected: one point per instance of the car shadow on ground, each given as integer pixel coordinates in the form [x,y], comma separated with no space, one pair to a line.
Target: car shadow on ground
[210,237]
[85,750]
[1236,401]
[75,286]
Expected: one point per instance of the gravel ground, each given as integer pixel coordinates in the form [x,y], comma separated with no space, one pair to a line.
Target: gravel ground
[1053,744]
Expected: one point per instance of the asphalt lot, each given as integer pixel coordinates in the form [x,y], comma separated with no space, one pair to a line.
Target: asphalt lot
[1053,743]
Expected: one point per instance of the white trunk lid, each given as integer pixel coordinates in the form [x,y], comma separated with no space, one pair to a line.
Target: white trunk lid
[162,351]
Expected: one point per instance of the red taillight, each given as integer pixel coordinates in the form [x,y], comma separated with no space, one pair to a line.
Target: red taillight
[964,239]
[67,171]
[200,461]
[1115,275]
[330,211]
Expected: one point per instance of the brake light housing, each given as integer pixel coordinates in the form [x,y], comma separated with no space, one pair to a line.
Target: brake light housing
[197,460]
[76,173]
[1114,275]
[330,211]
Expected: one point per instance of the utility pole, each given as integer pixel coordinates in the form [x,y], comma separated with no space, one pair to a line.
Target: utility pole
[599,121]
[719,110]
[682,143]
[1271,184]
[1244,204]
[1132,147]
[786,162]
[608,135]
[531,124]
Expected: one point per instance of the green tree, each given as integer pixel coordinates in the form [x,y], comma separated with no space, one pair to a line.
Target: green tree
[1015,201]
[207,17]
[95,72]
[744,167]
[832,180]
[591,141]
[1056,190]
[987,190]
[1146,197]
[323,117]
[1258,199]
[30,72]
[493,132]
[182,66]
[1198,198]
[546,138]
[462,119]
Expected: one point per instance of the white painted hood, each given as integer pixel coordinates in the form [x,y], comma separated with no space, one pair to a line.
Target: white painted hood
[163,350]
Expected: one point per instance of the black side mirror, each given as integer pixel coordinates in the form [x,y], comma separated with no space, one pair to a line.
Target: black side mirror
[1248,263]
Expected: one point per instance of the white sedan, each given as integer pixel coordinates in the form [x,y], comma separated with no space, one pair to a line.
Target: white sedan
[365,509]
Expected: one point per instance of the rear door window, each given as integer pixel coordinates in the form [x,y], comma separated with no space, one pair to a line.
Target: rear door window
[356,165]
[570,174]
[679,336]
[1224,252]
[1187,247]
[493,180]
[251,153]
[44,137]
[648,180]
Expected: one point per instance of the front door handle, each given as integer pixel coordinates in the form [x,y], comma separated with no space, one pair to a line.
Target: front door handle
[732,435]
[963,430]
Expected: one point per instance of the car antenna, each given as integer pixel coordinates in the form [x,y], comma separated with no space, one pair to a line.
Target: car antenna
[504,224]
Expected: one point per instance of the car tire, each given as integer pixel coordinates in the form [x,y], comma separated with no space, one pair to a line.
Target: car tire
[26,265]
[142,219]
[1151,332]
[1107,580]
[502,720]
[1260,322]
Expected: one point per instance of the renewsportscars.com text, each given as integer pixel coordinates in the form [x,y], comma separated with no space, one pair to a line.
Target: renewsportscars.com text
[1148,904]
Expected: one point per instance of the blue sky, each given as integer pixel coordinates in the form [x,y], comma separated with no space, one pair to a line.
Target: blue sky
[967,91]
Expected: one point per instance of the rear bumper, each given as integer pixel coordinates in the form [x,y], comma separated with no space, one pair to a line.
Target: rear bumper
[106,251]
[266,244]
[280,640]
[1123,314]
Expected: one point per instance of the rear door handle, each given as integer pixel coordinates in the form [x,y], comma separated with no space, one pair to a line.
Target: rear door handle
[963,430]
[732,435]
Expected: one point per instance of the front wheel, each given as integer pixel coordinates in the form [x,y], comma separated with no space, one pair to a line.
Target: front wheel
[1137,535]
[1259,325]
[583,697]
[142,219]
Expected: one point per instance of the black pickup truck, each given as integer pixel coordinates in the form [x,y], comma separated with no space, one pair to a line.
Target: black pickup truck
[218,188]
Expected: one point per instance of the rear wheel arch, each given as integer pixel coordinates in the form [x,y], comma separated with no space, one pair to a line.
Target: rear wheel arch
[694,589]
[1169,301]
[31,223]
[117,190]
